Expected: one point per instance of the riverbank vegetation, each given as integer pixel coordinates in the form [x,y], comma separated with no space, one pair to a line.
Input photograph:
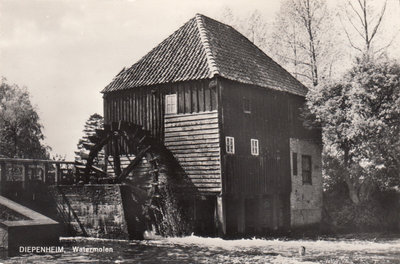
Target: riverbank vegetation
[21,134]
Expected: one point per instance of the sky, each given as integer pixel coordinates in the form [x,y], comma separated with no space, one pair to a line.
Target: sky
[66,51]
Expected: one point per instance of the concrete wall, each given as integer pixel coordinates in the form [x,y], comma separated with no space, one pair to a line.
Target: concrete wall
[96,210]
[21,226]
[14,237]
[306,199]
[32,235]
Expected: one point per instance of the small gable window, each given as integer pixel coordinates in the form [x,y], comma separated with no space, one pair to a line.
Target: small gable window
[306,169]
[246,105]
[170,104]
[230,145]
[254,147]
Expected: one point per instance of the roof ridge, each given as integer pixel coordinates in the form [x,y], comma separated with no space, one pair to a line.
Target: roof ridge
[206,45]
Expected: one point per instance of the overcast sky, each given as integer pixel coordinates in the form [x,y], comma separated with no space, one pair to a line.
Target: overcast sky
[66,52]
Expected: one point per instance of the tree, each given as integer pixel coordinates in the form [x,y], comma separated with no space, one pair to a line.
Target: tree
[303,41]
[94,122]
[20,128]
[360,117]
[363,23]
[253,26]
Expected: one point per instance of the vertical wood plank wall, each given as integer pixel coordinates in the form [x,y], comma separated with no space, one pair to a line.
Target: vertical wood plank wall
[274,117]
[269,172]
[145,106]
[258,187]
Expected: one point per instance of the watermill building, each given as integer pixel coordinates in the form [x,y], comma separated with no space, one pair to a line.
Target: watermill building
[230,116]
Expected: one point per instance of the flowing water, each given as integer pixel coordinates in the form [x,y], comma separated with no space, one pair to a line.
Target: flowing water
[194,249]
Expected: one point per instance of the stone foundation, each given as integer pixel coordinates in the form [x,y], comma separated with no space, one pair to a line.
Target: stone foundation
[92,210]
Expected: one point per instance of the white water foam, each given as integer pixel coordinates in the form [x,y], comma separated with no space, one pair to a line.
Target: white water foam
[278,244]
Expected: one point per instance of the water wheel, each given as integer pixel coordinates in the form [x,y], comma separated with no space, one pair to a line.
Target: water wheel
[134,159]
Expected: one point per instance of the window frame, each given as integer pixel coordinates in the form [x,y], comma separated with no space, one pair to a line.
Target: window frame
[295,169]
[230,145]
[254,147]
[306,175]
[246,105]
[171,104]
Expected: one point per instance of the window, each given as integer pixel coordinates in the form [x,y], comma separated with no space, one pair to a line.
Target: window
[294,162]
[230,145]
[170,104]
[306,169]
[246,106]
[254,147]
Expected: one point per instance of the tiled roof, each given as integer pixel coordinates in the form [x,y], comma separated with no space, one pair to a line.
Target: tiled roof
[203,48]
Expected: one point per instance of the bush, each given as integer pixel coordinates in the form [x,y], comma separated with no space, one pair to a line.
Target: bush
[379,213]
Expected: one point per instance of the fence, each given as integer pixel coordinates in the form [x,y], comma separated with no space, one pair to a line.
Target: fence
[21,175]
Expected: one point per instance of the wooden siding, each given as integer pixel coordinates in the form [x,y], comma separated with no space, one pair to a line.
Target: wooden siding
[251,182]
[193,139]
[269,172]
[259,176]
[145,106]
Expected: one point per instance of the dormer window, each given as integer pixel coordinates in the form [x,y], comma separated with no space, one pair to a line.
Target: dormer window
[171,104]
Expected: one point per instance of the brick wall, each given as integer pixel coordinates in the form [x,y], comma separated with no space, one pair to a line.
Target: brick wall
[305,198]
[98,209]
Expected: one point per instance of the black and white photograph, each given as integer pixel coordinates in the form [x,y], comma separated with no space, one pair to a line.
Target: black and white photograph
[214,131]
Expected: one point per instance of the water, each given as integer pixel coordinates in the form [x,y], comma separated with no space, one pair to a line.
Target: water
[193,249]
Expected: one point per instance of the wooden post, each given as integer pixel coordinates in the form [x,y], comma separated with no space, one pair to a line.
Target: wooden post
[45,172]
[25,177]
[57,174]
[2,177]
[221,215]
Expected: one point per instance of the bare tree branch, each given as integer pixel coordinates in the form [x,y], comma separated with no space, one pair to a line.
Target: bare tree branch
[303,75]
[389,44]
[379,21]
[354,26]
[351,43]
[367,20]
[294,60]
[356,12]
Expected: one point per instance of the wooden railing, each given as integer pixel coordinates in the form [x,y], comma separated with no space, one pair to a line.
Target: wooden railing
[21,174]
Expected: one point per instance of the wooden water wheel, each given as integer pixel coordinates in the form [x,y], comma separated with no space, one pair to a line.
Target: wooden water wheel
[134,158]
[126,146]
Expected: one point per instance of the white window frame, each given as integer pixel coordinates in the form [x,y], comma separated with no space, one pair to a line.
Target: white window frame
[230,145]
[171,104]
[254,147]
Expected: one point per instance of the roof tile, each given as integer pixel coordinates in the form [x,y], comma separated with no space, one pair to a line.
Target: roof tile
[203,48]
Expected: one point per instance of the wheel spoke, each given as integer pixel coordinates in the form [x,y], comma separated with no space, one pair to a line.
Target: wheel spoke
[116,157]
[133,163]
